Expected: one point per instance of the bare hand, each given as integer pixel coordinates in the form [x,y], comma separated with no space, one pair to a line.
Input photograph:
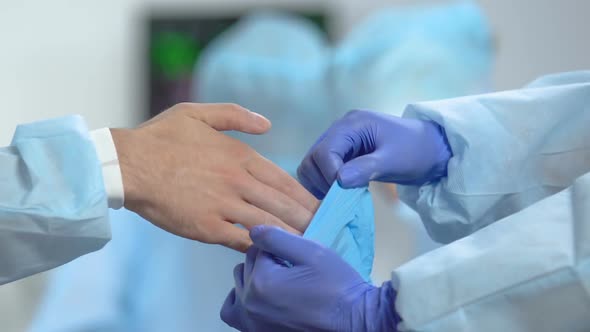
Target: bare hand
[186,177]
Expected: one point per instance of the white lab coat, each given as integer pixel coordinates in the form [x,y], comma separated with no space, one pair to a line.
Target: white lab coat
[521,164]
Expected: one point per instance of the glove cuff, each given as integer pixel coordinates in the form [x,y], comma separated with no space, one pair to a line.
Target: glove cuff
[388,317]
[439,169]
[376,312]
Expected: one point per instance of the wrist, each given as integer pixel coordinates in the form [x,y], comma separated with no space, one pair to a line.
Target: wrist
[442,155]
[373,311]
[388,317]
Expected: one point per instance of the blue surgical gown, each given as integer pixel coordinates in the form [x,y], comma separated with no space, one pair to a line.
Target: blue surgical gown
[517,197]
[53,204]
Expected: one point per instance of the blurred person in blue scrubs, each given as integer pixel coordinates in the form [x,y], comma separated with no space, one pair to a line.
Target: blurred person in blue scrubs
[284,67]
[177,171]
[504,178]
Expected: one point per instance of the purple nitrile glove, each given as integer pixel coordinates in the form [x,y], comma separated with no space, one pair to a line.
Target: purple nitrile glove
[316,291]
[366,146]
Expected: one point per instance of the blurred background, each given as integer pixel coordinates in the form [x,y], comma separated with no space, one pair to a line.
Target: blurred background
[118,62]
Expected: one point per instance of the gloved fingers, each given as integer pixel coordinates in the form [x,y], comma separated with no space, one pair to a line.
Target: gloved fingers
[291,215]
[329,156]
[306,167]
[359,171]
[309,185]
[318,141]
[273,176]
[231,311]
[267,274]
[229,235]
[250,260]
[310,171]
[295,249]
[239,278]
[249,215]
[223,117]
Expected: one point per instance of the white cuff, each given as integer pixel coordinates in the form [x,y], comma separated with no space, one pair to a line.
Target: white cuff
[111,171]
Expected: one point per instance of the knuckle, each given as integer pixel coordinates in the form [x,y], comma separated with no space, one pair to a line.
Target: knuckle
[182,106]
[317,153]
[235,243]
[353,113]
[356,114]
[233,107]
[238,180]
[269,220]
[305,168]
[261,284]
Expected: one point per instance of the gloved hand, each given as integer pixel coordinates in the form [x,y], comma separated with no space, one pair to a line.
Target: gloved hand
[317,291]
[365,146]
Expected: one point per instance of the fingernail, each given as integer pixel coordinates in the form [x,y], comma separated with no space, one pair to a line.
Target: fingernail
[261,120]
[259,116]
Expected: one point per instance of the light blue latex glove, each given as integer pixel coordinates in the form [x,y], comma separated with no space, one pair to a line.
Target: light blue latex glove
[315,291]
[365,146]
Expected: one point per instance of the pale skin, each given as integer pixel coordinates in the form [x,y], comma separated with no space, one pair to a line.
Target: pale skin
[185,176]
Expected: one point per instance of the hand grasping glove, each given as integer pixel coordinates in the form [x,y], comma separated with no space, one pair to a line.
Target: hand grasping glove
[366,146]
[318,291]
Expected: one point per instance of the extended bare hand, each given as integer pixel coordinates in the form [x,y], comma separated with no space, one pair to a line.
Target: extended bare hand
[186,177]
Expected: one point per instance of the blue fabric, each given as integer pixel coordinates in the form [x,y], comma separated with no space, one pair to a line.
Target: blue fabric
[510,150]
[517,197]
[53,205]
[527,272]
[345,222]
[274,64]
[407,54]
[283,67]
[318,292]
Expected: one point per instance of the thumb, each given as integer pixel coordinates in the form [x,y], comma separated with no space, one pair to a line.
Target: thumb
[224,117]
[359,171]
[278,242]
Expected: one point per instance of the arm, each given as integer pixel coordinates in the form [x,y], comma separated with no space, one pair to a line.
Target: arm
[528,272]
[510,149]
[53,205]
[464,163]
[178,171]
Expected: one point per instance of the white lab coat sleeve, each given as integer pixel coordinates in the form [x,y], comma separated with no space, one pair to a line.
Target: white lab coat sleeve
[527,272]
[510,149]
[53,205]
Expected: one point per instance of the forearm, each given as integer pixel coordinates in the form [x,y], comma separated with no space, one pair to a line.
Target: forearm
[510,149]
[526,272]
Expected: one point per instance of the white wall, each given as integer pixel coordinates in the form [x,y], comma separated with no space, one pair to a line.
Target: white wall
[60,57]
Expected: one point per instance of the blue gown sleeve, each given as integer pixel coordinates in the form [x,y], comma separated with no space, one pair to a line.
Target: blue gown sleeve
[527,272]
[510,150]
[53,205]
